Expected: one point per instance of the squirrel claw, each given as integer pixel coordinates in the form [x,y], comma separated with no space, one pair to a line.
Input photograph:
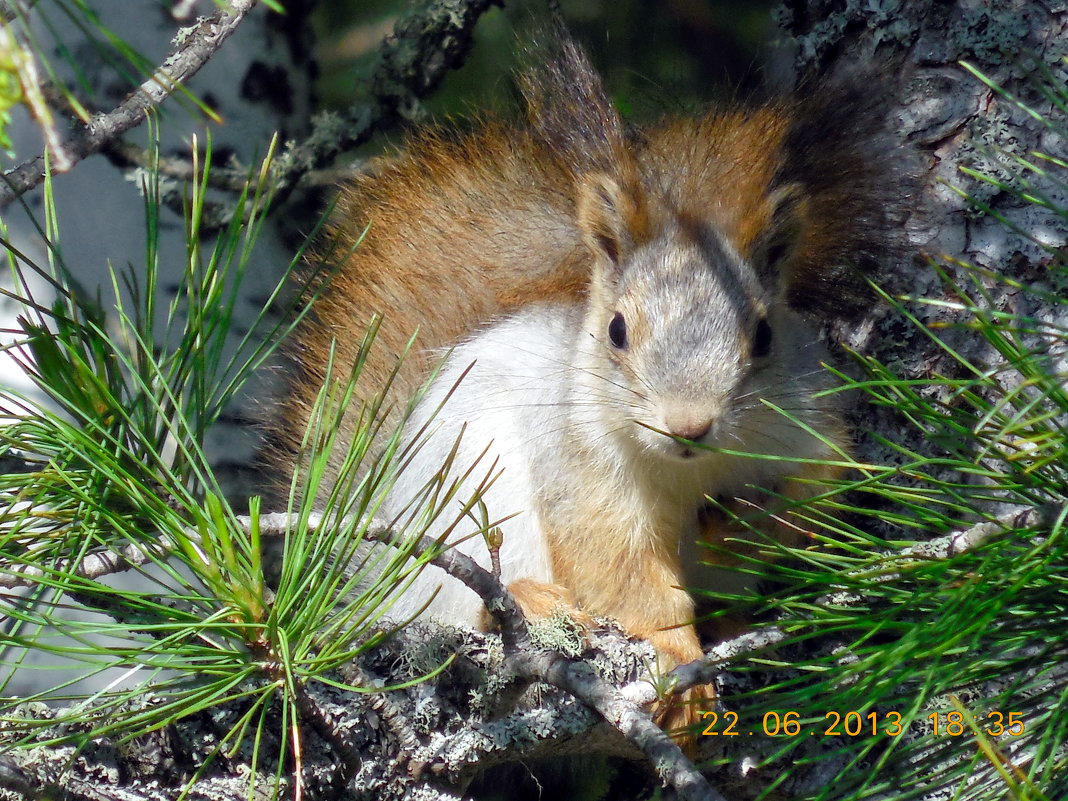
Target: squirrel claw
[679,714]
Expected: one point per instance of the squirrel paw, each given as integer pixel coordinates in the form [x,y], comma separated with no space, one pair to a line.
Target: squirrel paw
[538,600]
[680,715]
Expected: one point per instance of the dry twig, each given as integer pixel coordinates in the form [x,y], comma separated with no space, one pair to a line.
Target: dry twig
[206,37]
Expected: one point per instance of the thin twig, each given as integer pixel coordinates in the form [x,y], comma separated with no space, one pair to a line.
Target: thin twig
[426,44]
[9,9]
[232,177]
[93,566]
[205,38]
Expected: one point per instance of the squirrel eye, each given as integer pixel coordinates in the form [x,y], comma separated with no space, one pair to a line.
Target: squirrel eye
[617,331]
[776,254]
[762,339]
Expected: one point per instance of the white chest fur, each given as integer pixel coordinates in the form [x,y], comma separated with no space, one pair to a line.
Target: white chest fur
[513,407]
[499,399]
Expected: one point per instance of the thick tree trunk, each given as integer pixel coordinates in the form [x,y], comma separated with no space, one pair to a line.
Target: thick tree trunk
[953,122]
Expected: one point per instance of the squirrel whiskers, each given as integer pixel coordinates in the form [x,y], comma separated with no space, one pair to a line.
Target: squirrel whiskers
[611,301]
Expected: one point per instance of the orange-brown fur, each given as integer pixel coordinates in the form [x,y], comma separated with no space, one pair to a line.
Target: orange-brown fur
[416,231]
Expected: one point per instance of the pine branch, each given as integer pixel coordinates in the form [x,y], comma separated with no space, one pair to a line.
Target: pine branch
[704,670]
[194,50]
[525,659]
[622,707]
[533,663]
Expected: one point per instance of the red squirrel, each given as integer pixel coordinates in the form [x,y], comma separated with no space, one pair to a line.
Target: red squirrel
[616,300]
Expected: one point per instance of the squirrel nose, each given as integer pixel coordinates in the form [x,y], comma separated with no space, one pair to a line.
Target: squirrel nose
[689,428]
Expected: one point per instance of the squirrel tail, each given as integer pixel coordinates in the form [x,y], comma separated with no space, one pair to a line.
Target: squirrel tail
[859,180]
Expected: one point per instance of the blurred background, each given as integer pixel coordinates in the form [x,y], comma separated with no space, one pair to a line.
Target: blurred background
[655,56]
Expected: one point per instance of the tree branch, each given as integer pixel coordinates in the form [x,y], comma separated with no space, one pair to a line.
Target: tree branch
[193,51]
[703,670]
[531,662]
[228,177]
[93,566]
[426,44]
[524,657]
[621,708]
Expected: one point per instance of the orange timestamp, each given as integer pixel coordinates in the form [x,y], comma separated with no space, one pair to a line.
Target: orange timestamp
[854,724]
[993,723]
[789,724]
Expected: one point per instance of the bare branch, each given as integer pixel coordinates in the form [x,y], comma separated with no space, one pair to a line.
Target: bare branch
[201,43]
[426,44]
[232,177]
[10,9]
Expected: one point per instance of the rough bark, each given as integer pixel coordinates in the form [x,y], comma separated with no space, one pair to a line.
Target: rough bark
[953,122]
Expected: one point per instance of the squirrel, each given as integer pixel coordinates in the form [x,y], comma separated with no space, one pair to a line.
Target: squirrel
[622,313]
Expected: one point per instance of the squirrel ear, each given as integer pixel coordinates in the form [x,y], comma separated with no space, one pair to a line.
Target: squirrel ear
[611,216]
[777,247]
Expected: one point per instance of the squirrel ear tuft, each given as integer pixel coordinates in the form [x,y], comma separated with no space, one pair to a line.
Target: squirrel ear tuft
[777,247]
[611,216]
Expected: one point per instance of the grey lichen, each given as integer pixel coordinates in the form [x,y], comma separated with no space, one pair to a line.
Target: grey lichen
[990,34]
[558,632]
[882,19]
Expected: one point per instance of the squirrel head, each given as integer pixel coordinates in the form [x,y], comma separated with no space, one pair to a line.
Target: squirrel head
[687,331]
[685,334]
